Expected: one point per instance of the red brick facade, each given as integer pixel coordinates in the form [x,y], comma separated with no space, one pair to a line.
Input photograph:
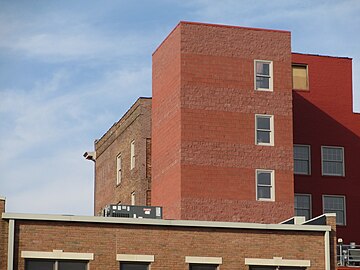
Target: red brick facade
[204,105]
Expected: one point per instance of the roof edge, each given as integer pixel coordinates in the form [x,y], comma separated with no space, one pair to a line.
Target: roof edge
[320,55]
[163,222]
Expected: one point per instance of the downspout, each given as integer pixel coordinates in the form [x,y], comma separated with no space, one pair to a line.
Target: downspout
[327,250]
[10,260]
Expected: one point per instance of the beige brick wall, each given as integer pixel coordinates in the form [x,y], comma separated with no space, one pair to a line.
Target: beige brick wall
[134,125]
[170,245]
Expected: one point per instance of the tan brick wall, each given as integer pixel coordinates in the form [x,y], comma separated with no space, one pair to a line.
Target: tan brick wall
[134,125]
[170,245]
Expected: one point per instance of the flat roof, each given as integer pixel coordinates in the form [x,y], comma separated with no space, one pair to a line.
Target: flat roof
[165,222]
[218,25]
[320,55]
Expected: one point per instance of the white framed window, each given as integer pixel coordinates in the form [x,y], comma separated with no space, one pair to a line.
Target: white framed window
[118,170]
[263,70]
[265,185]
[35,264]
[302,203]
[132,155]
[264,129]
[335,204]
[302,162]
[56,260]
[133,198]
[332,158]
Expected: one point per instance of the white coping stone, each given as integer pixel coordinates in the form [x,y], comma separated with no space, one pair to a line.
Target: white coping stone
[277,261]
[57,255]
[135,258]
[163,222]
[203,260]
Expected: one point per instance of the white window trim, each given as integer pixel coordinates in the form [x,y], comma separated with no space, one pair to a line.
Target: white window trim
[277,261]
[135,258]
[57,255]
[338,196]
[310,196]
[308,146]
[272,177]
[133,198]
[132,155]
[203,260]
[322,160]
[270,89]
[118,179]
[271,129]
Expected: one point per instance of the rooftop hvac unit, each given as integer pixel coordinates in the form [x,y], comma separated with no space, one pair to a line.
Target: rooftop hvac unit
[133,211]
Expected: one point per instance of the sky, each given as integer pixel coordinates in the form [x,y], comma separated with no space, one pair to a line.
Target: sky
[70,69]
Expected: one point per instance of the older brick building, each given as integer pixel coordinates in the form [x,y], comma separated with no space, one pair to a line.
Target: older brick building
[122,168]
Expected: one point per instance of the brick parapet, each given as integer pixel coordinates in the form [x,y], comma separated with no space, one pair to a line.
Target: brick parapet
[169,244]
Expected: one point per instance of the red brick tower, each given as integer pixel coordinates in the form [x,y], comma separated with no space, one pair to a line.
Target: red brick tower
[222,144]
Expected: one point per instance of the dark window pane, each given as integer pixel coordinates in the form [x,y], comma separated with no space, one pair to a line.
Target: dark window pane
[264,178]
[262,68]
[203,266]
[72,265]
[134,266]
[262,82]
[264,192]
[301,166]
[39,265]
[263,137]
[263,123]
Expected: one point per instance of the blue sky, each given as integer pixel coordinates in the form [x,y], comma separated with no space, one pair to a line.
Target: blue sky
[70,69]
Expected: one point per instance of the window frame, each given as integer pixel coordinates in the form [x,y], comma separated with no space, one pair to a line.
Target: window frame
[118,169]
[310,203]
[195,260]
[135,258]
[344,206]
[322,161]
[271,88]
[57,255]
[132,154]
[272,135]
[309,159]
[307,89]
[272,186]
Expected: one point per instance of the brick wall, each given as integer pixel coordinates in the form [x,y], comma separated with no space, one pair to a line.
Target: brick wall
[134,125]
[3,237]
[323,116]
[217,104]
[166,142]
[170,245]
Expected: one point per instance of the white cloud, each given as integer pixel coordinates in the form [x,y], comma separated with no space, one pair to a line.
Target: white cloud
[49,131]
